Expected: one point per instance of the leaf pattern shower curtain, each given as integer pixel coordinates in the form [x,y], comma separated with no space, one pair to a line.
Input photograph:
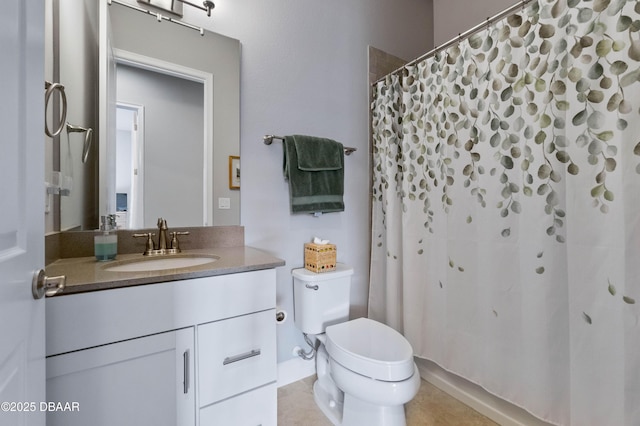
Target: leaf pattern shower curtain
[506,212]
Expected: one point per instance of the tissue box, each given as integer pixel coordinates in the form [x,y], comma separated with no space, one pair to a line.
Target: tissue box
[320,257]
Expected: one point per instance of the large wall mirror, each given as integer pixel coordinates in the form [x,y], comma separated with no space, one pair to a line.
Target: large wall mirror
[167,121]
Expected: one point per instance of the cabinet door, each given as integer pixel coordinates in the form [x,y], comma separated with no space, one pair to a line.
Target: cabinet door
[143,381]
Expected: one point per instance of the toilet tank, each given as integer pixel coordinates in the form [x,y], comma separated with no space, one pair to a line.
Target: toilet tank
[321,300]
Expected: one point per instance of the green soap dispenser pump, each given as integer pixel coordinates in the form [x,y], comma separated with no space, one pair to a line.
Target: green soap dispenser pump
[105,244]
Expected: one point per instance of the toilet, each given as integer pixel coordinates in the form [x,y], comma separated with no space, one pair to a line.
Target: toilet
[365,369]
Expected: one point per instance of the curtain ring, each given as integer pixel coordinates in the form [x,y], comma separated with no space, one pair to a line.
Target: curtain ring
[403,75]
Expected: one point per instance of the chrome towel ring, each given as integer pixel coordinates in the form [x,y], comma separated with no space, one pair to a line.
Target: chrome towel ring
[49,88]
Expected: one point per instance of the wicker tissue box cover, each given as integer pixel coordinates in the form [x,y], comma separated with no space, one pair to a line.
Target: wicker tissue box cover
[320,257]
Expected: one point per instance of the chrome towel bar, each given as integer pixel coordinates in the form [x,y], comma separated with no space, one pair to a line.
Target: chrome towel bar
[268,139]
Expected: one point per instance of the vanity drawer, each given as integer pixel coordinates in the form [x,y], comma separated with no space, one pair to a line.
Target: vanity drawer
[258,407]
[236,355]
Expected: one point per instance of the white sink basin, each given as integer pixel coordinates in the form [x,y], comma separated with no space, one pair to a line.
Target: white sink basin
[160,263]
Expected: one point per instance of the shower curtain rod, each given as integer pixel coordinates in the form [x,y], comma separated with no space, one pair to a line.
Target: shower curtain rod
[158,16]
[462,36]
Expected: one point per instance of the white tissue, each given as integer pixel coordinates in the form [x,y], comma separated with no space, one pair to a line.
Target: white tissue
[317,240]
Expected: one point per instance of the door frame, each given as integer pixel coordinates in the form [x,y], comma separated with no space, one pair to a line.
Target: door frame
[206,79]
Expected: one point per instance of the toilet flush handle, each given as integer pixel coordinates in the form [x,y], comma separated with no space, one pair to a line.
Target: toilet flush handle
[311,287]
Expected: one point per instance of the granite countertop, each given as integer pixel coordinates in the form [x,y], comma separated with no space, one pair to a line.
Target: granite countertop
[86,274]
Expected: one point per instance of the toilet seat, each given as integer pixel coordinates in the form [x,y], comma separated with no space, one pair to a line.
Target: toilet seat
[371,349]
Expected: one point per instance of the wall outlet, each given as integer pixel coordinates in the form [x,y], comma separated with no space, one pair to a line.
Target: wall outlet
[224,203]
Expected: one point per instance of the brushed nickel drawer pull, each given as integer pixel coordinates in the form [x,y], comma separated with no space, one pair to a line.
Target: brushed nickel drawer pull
[185,366]
[232,359]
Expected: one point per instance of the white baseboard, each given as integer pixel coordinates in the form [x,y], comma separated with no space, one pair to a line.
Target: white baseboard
[487,404]
[295,369]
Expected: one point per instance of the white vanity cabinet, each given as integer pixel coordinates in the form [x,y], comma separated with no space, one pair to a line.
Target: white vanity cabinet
[148,380]
[192,352]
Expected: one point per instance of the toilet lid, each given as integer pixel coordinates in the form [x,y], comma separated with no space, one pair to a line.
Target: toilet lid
[370,349]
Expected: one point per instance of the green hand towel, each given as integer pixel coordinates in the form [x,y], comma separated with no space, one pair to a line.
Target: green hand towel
[320,189]
[316,154]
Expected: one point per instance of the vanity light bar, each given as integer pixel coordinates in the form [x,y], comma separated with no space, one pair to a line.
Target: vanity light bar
[207,5]
[174,7]
[268,140]
[158,16]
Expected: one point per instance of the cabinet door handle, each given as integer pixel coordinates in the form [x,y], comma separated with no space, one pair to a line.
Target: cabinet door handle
[236,358]
[185,362]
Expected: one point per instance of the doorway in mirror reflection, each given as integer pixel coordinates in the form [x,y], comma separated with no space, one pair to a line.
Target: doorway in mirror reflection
[159,148]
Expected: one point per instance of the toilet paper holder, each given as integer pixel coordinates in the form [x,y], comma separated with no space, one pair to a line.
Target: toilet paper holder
[281,316]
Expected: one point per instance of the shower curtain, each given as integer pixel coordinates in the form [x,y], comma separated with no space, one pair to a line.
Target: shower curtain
[506,209]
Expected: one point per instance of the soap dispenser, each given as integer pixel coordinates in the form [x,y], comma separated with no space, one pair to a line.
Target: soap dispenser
[106,242]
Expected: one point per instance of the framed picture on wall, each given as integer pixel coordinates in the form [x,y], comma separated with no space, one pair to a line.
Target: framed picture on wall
[234,172]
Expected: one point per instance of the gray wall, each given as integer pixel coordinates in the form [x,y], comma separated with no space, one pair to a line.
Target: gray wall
[173,175]
[305,70]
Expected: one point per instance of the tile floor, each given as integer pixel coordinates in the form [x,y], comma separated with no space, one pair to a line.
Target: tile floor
[430,407]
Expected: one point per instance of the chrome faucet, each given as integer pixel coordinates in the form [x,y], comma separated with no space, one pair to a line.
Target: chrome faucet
[151,249]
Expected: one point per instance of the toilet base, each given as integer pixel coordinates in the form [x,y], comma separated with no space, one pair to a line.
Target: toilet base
[357,413]
[330,408]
